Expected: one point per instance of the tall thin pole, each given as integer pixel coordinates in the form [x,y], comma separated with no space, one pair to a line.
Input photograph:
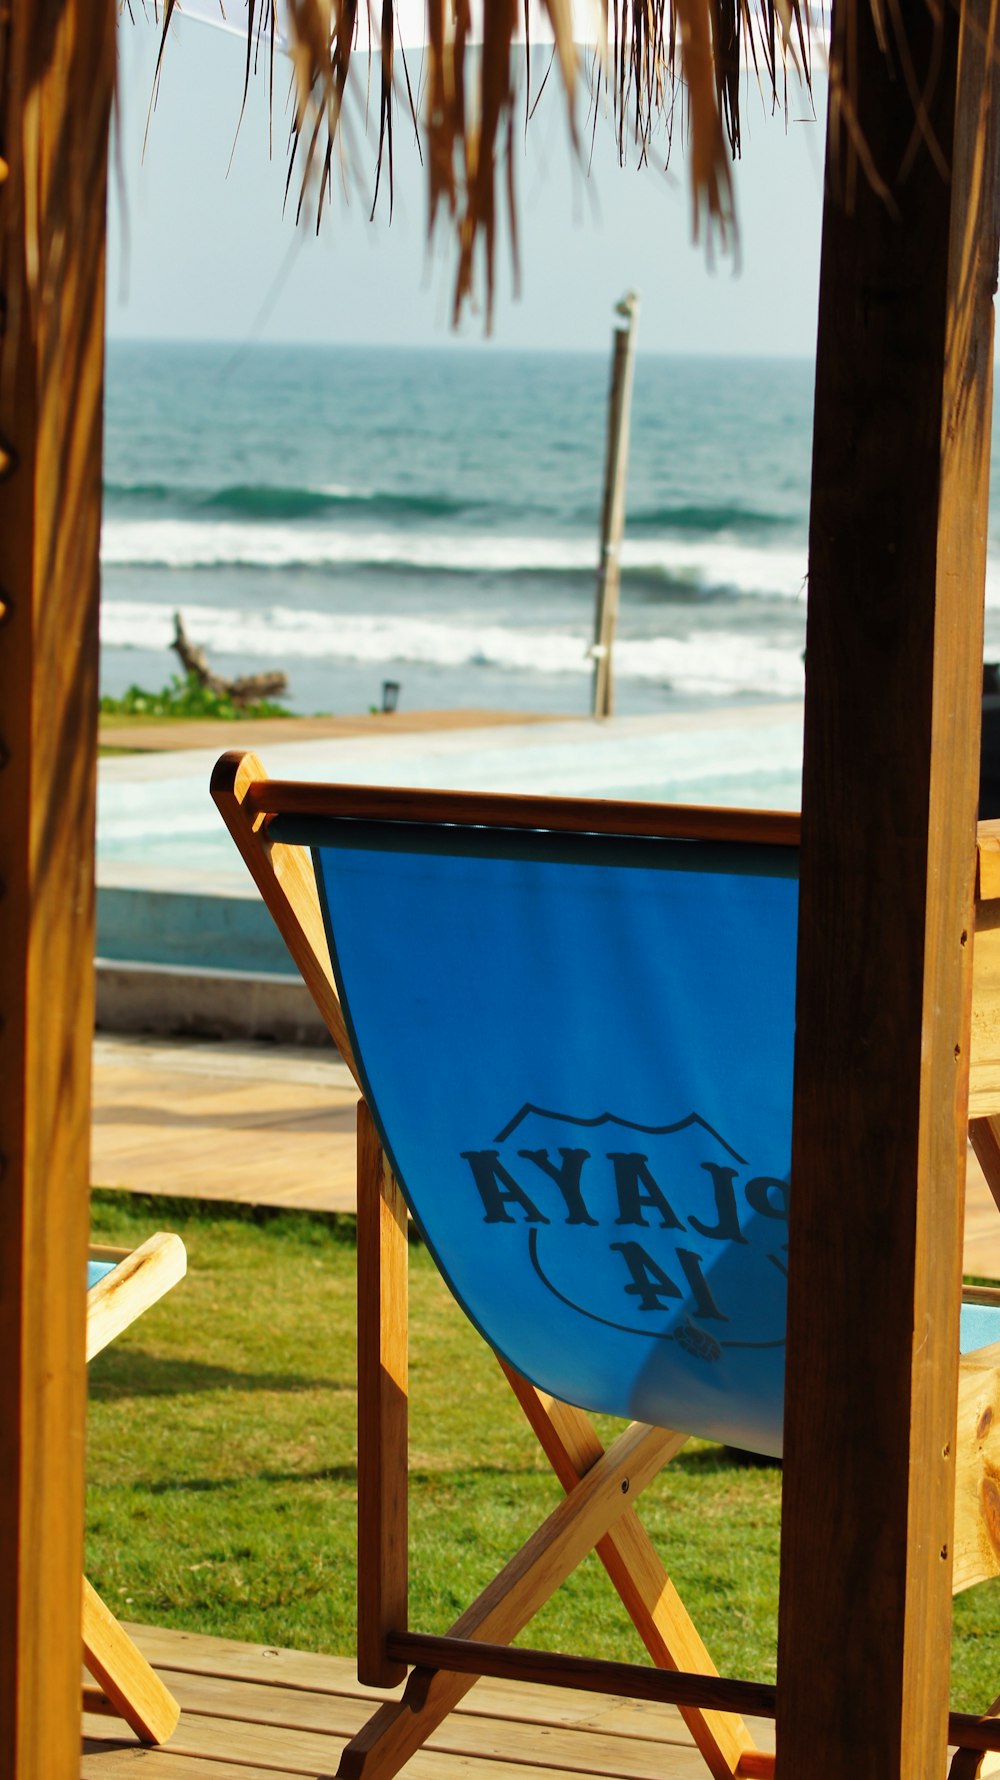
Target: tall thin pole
[613,515]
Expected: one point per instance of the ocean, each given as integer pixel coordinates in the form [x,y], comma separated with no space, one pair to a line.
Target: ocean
[431,518]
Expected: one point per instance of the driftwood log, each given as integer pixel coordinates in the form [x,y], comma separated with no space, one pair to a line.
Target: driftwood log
[243,691]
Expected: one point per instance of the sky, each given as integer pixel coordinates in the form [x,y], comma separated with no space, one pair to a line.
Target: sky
[202,247]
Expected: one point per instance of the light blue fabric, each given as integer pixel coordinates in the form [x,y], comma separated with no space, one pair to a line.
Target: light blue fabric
[96,1270]
[980,1326]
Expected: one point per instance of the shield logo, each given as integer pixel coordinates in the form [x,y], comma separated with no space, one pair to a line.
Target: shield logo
[663,1232]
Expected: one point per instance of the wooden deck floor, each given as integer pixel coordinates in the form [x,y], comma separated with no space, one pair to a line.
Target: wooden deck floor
[268,1126]
[249,1712]
[254,1123]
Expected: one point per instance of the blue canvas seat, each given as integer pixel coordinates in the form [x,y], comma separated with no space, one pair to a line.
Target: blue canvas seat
[120,1286]
[573,1028]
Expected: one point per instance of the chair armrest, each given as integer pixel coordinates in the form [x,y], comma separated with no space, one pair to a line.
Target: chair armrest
[136,1283]
[986,1295]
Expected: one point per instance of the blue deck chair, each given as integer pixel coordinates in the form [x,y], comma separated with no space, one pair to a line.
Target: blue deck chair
[121,1284]
[572,1025]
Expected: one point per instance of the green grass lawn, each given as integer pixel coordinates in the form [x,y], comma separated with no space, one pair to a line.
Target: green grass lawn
[222,1484]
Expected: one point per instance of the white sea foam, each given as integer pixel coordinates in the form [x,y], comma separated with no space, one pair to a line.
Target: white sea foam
[715,564]
[723,564]
[716,662]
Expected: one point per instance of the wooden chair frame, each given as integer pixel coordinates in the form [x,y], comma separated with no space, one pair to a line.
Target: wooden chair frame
[126,1684]
[598,1512]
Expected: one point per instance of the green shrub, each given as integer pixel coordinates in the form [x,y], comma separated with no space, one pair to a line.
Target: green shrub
[185,697]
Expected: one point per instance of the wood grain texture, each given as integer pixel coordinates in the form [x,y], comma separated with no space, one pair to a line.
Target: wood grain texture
[984,1053]
[571,1445]
[137,1282]
[383,1407]
[893,677]
[572,1530]
[244,1706]
[984,1136]
[284,877]
[124,1675]
[273,797]
[56,78]
[256,1125]
[988,880]
[976,1538]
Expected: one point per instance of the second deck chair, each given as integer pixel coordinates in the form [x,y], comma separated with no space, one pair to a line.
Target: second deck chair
[121,1284]
[573,1028]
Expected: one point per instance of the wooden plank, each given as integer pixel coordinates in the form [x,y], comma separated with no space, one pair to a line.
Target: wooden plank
[521,1707]
[284,877]
[897,542]
[266,797]
[101,1761]
[56,78]
[976,1538]
[136,1283]
[120,1669]
[383,1410]
[292,1749]
[225,1122]
[984,1057]
[988,875]
[293,1672]
[984,1135]
[579,1748]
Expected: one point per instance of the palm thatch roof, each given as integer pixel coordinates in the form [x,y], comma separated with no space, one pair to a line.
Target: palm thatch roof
[649,62]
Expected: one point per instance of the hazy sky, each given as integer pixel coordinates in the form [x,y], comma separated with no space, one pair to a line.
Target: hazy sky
[206,252]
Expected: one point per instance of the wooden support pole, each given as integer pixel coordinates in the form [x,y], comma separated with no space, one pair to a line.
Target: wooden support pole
[383,1410]
[56,81]
[893,674]
[613,513]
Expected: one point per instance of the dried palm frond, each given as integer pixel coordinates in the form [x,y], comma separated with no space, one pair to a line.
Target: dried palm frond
[647,51]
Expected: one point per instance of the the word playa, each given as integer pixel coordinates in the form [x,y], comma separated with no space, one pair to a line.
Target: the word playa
[663,1231]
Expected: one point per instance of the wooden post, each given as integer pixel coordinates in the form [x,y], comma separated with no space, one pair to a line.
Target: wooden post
[56,80]
[383,1410]
[893,675]
[613,514]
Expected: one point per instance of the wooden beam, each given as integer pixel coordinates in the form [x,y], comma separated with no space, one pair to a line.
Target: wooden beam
[56,80]
[894,639]
[383,1410]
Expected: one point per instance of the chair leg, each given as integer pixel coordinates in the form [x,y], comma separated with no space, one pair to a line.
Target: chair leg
[572,1446]
[134,1689]
[505,1606]
[382,1410]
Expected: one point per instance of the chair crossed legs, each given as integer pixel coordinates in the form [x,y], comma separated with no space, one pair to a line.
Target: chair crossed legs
[121,1285]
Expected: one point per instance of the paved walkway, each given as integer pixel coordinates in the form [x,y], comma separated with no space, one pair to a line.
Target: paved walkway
[149,735]
[274,1126]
